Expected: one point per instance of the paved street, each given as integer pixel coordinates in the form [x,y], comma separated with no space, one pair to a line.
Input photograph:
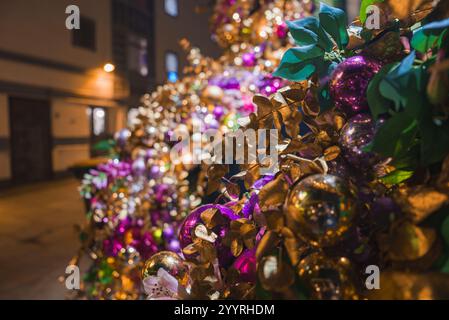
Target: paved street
[37,238]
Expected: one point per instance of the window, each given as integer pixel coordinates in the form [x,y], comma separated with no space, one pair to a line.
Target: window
[171,7]
[98,121]
[138,55]
[85,36]
[171,66]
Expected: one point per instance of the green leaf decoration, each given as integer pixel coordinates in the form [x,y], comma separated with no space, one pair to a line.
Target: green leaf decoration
[378,104]
[430,35]
[300,63]
[104,145]
[395,137]
[396,177]
[334,21]
[395,84]
[308,31]
[445,268]
[364,6]
[434,138]
[445,230]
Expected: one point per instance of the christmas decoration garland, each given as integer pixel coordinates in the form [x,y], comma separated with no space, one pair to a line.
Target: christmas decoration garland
[363,178]
[138,200]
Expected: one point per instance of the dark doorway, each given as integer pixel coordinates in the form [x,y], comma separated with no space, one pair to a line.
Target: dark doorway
[30,140]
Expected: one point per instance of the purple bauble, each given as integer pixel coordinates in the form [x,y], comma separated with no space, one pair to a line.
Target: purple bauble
[187,229]
[139,166]
[218,112]
[350,81]
[122,137]
[245,264]
[356,134]
[382,210]
[188,226]
[249,59]
[282,30]
[224,254]
[339,168]
[143,243]
[112,247]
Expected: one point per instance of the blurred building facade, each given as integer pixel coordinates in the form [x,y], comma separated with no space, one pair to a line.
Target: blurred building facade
[56,98]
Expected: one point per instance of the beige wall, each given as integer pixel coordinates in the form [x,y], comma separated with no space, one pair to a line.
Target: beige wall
[95,83]
[170,30]
[4,115]
[34,30]
[25,22]
[5,166]
[69,120]
[65,156]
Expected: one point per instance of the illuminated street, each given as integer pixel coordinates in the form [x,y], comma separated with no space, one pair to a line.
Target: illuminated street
[37,238]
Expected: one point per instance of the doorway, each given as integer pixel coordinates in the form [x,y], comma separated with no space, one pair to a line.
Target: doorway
[30,140]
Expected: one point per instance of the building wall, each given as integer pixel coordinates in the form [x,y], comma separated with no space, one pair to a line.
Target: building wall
[4,138]
[188,24]
[38,60]
[42,24]
[71,133]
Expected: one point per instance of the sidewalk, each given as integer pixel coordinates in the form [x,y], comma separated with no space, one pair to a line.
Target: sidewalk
[37,238]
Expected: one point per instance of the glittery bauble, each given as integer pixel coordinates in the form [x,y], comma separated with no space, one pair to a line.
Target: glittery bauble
[356,134]
[327,278]
[245,264]
[249,59]
[213,94]
[122,136]
[170,262]
[144,243]
[274,274]
[282,30]
[112,247]
[186,235]
[350,81]
[321,209]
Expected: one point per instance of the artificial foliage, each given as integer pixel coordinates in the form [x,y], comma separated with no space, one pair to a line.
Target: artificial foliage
[358,185]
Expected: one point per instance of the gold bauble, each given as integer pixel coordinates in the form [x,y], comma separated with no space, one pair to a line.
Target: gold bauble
[321,209]
[212,94]
[170,262]
[327,278]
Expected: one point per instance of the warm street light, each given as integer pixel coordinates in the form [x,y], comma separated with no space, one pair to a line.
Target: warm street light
[108,67]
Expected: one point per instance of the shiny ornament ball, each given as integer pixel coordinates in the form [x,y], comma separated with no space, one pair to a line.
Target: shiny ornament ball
[275,274]
[213,94]
[122,136]
[321,209]
[327,278]
[349,84]
[245,264]
[282,30]
[187,230]
[170,262]
[249,59]
[357,133]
